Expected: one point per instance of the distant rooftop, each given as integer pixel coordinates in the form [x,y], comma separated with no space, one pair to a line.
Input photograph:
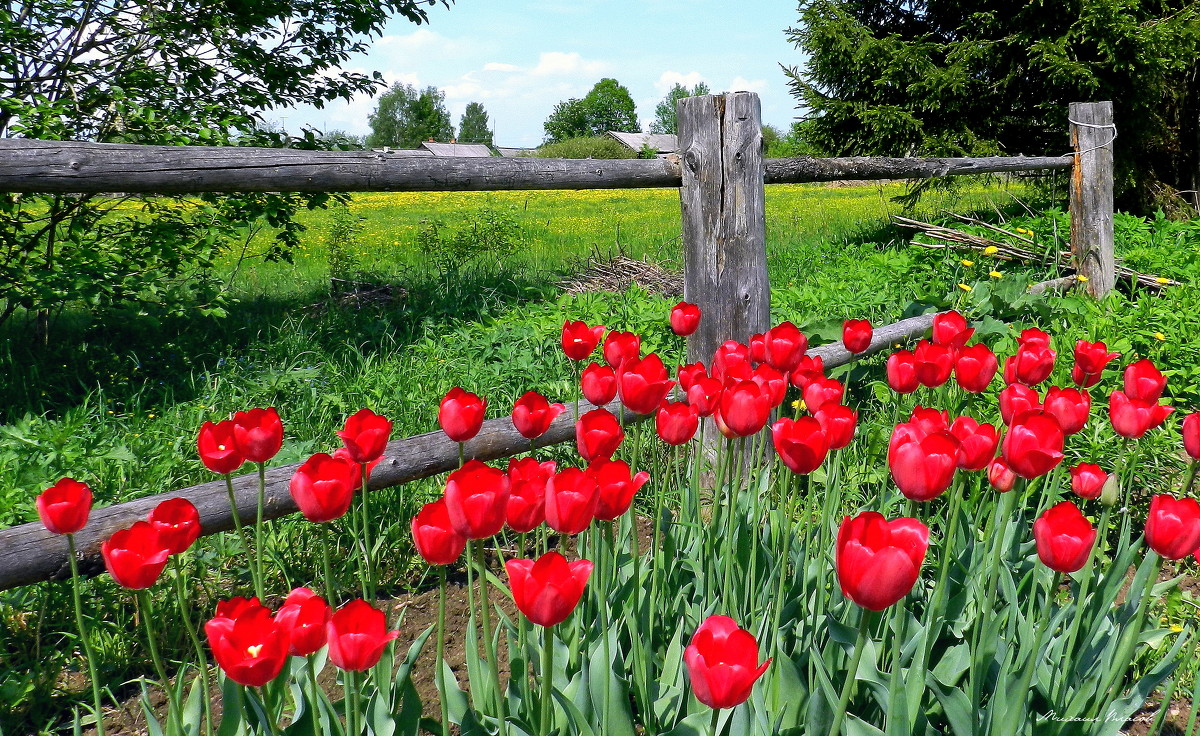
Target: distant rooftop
[510,152]
[662,143]
[457,150]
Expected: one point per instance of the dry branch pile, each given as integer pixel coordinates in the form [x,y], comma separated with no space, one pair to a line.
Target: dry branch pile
[618,273]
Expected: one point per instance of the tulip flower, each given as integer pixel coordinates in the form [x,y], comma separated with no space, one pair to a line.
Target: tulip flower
[1191,435]
[1090,361]
[64,506]
[685,319]
[745,408]
[729,354]
[676,422]
[1032,336]
[1016,399]
[532,414]
[1001,476]
[460,414]
[1064,537]
[357,634]
[1173,526]
[975,368]
[218,448]
[303,616]
[1070,406]
[878,561]
[801,444]
[933,363]
[856,335]
[950,330]
[527,480]
[686,375]
[434,535]
[772,381]
[365,436]
[572,498]
[809,367]
[643,383]
[1033,445]
[579,340]
[758,348]
[323,487]
[822,391]
[722,663]
[922,467]
[548,589]
[342,453]
[477,499]
[930,420]
[784,344]
[258,434]
[620,347]
[838,421]
[616,487]
[976,443]
[1133,418]
[251,647]
[599,384]
[598,434]
[1031,365]
[1144,382]
[704,395]
[177,522]
[1087,480]
[902,372]
[136,556]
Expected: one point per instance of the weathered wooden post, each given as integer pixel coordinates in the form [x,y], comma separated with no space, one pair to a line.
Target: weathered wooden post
[724,226]
[1092,134]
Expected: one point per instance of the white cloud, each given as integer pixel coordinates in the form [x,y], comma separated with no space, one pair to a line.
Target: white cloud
[558,63]
[669,79]
[422,43]
[741,84]
[496,66]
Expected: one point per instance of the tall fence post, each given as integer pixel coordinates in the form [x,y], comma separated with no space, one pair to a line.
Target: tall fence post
[724,226]
[1092,135]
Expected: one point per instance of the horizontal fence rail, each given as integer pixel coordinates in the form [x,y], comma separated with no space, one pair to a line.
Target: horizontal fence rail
[76,167]
[34,554]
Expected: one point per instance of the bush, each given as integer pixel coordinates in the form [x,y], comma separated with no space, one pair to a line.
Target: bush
[598,147]
[450,247]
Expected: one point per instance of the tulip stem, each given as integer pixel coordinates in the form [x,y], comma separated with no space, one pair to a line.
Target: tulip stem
[547,680]
[1190,478]
[860,643]
[441,651]
[258,533]
[326,567]
[1081,594]
[315,693]
[241,530]
[350,702]
[365,541]
[488,644]
[83,636]
[182,599]
[146,611]
[715,723]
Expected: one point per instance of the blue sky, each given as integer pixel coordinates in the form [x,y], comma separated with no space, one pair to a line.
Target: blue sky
[520,57]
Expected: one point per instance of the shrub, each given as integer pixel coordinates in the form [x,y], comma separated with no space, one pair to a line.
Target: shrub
[598,147]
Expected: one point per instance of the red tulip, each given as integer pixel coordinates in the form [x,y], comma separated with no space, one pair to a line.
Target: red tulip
[878,561]
[1033,445]
[1064,537]
[342,453]
[801,444]
[620,347]
[1090,361]
[64,506]
[1133,418]
[950,329]
[616,487]
[1070,406]
[599,383]
[922,467]
[1173,526]
[822,391]
[685,319]
[686,375]
[218,447]
[1191,435]
[572,498]
[461,414]
[1001,476]
[547,590]
[177,522]
[933,363]
[527,480]
[976,443]
[136,556]
[477,499]
[251,647]
[303,616]
[643,383]
[722,663]
[357,634]
[758,348]
[856,335]
[323,487]
[809,368]
[434,535]
[365,436]
[1087,480]
[1031,365]
[729,354]
[772,381]
[258,434]
[1032,336]
[598,434]
[838,421]
[579,340]
[975,368]
[784,344]
[676,422]
[532,414]
[930,420]
[1144,382]
[745,408]
[1016,399]
[902,372]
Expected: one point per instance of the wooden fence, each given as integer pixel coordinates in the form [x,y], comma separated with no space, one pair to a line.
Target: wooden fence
[719,170]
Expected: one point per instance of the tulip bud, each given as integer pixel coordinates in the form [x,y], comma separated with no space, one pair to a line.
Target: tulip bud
[599,384]
[1070,406]
[933,363]
[572,498]
[365,436]
[1144,382]
[729,354]
[532,414]
[808,369]
[1173,526]
[856,335]
[324,486]
[460,414]
[1191,435]
[477,499]
[686,375]
[527,480]
[177,522]
[685,319]
[676,422]
[902,372]
[1033,445]
[303,616]
[643,383]
[1110,493]
[136,556]
[1090,361]
[598,434]
[975,367]
[620,347]
[1064,537]
[801,444]
[1088,480]
[616,487]
[434,535]
[64,506]
[357,634]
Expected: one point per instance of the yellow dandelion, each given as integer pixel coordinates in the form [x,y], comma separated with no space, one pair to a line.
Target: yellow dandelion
[1161,280]
[995,274]
[1160,337]
[798,404]
[964,287]
[967,263]
[1081,277]
[149,416]
[991,250]
[1023,231]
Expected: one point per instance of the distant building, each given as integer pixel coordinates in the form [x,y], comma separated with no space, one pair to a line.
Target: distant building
[509,152]
[457,150]
[662,143]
